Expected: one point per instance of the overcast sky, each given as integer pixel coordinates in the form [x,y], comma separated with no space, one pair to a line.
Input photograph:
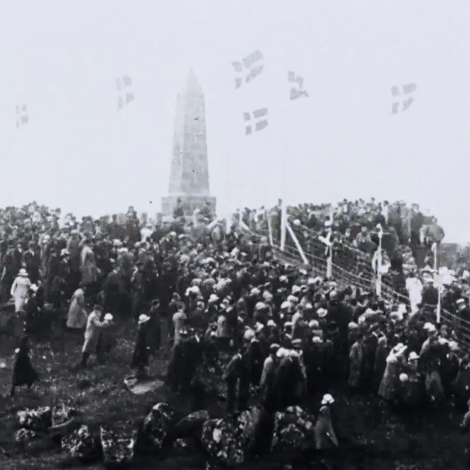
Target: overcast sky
[61,59]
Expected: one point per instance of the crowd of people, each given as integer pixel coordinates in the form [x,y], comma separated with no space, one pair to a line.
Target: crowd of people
[241,319]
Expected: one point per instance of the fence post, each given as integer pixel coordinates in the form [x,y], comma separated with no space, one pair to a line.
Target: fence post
[329,263]
[297,244]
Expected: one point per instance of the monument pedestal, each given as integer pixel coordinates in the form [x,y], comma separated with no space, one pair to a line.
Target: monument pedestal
[190,203]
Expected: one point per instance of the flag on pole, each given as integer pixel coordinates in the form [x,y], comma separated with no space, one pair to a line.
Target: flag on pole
[237,66]
[253,58]
[406,103]
[250,67]
[21,115]
[296,93]
[125,92]
[326,240]
[291,77]
[259,123]
[409,88]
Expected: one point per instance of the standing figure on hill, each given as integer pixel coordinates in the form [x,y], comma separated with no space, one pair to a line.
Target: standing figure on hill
[77,316]
[23,371]
[92,335]
[140,358]
[19,290]
[325,436]
[237,379]
[154,329]
[32,262]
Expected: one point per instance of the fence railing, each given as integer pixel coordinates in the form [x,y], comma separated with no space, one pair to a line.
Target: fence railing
[358,272]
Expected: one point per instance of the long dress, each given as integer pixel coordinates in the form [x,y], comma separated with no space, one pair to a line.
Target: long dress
[325,436]
[88,266]
[390,381]
[19,291]
[23,371]
[434,389]
[356,357]
[77,316]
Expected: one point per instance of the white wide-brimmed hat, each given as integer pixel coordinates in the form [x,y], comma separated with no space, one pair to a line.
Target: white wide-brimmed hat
[108,317]
[327,399]
[143,318]
[322,312]
[413,356]
[22,272]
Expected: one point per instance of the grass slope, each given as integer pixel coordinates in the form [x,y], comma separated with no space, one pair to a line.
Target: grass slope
[370,437]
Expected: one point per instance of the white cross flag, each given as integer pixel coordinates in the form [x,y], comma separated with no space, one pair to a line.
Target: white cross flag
[407,89]
[125,93]
[298,92]
[21,115]
[251,66]
[260,123]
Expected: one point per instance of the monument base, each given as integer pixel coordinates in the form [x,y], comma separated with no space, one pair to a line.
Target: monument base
[190,204]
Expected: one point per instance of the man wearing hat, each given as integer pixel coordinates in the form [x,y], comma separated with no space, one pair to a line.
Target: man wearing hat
[237,379]
[92,335]
[112,290]
[32,262]
[179,323]
[74,248]
[267,378]
[140,357]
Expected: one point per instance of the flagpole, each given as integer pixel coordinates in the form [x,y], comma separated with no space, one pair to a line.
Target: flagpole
[438,311]
[283,183]
[379,265]
[329,263]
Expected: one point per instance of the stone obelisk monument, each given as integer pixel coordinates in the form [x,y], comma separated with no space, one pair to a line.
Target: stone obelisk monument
[189,177]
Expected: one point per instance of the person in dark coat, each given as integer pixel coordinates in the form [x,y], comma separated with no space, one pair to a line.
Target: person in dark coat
[32,261]
[23,371]
[237,377]
[287,379]
[111,291]
[154,327]
[370,350]
[193,350]
[140,358]
[178,364]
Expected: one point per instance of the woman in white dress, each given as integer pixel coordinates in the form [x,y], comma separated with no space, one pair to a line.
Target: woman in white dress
[19,290]
[77,316]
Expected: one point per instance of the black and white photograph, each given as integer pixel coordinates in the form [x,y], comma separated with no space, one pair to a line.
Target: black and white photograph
[226,239]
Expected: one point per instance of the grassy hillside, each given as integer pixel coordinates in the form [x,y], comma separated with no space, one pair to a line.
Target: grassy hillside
[370,437]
